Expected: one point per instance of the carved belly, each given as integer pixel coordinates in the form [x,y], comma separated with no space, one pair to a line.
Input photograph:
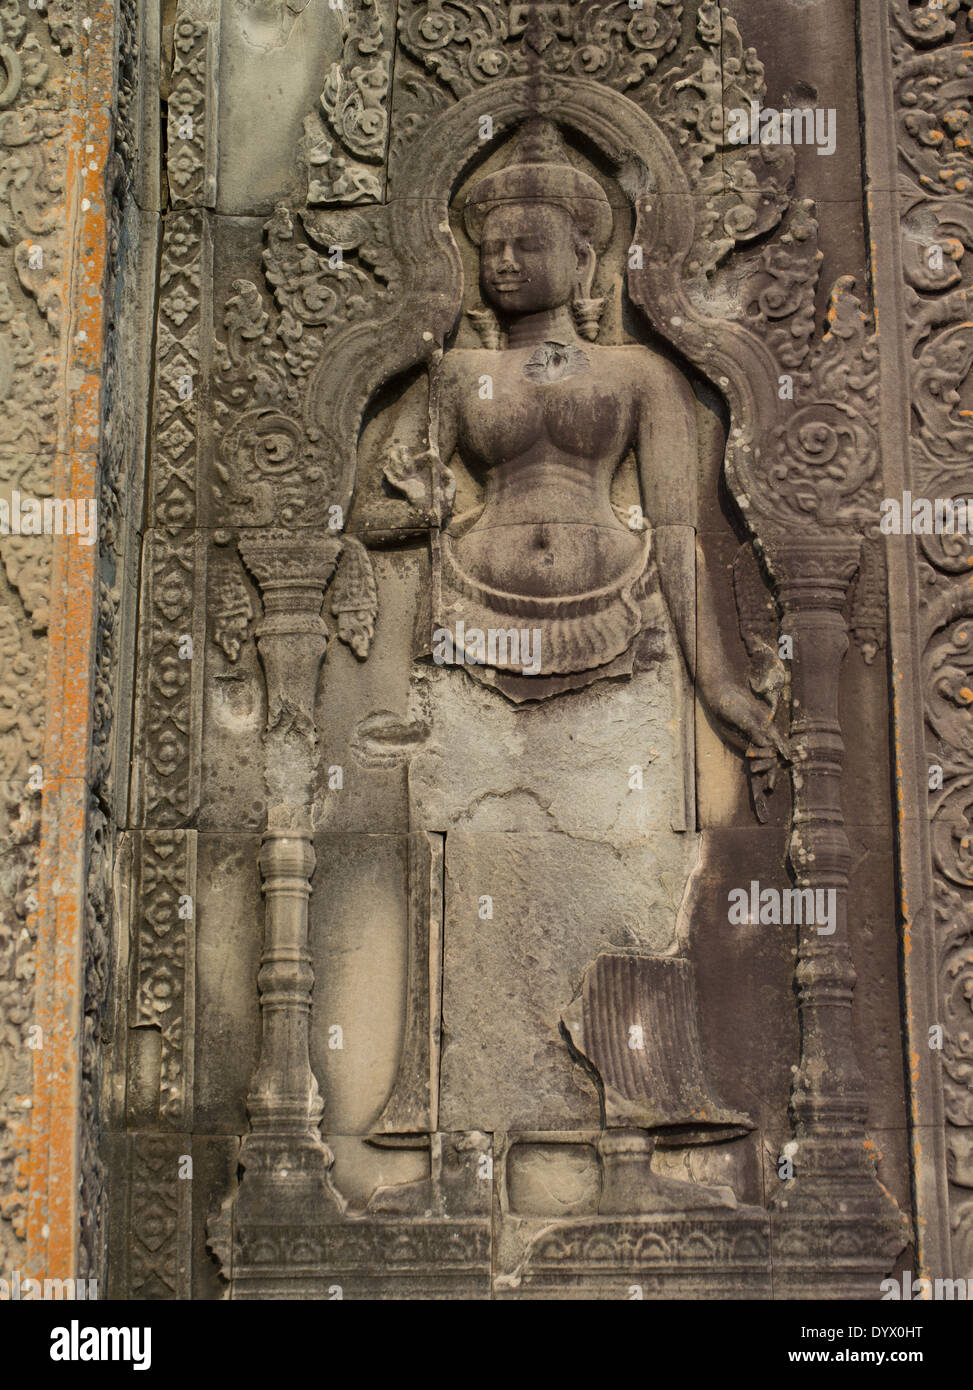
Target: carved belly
[548,559]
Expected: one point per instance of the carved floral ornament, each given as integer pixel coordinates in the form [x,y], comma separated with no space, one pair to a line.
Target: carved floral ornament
[923,23]
[469,44]
[932,69]
[449,49]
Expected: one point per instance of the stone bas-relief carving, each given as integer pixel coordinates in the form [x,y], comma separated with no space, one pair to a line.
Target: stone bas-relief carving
[545,555]
[461,697]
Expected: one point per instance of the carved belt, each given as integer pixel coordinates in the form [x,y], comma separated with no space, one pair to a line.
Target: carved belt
[578,632]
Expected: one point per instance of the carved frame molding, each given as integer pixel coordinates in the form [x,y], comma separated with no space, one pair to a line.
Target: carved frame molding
[916,66]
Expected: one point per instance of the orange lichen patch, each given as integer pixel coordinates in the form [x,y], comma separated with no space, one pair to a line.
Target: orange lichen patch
[52,1219]
[52,1216]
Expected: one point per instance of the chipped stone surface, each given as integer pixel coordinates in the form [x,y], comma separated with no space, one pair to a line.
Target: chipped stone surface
[608,764]
[555,903]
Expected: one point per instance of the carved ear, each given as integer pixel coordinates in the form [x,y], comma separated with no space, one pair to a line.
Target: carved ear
[586,269]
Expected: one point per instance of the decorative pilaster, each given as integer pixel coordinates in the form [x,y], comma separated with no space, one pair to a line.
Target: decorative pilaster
[293,572]
[285,1160]
[835,1183]
[283,1097]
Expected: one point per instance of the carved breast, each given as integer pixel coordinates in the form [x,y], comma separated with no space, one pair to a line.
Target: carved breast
[507,412]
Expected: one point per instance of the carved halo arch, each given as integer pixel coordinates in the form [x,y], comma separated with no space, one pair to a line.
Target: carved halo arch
[415,233]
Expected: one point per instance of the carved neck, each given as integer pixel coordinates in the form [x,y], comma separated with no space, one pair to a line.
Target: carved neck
[544,326]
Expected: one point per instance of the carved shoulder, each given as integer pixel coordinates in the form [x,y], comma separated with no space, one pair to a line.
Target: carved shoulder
[459,367]
[664,384]
[458,363]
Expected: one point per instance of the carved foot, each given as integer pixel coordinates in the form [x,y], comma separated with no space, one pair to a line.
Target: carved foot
[630,1188]
[459,1184]
[635,1023]
[419,1198]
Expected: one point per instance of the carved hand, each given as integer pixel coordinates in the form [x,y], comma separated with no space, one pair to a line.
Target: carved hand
[739,711]
[415,472]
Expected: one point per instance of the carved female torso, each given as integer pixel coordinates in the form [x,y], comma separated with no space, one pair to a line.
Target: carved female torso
[544,429]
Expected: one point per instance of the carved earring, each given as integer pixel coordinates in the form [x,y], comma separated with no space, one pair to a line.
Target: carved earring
[487,327]
[587,316]
[586,311]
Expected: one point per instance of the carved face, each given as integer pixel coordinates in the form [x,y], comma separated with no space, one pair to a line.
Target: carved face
[530,258]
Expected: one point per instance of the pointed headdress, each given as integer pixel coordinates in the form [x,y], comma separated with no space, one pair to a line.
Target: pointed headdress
[541,173]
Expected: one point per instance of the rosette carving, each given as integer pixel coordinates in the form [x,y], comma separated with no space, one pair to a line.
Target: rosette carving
[925,23]
[826,451]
